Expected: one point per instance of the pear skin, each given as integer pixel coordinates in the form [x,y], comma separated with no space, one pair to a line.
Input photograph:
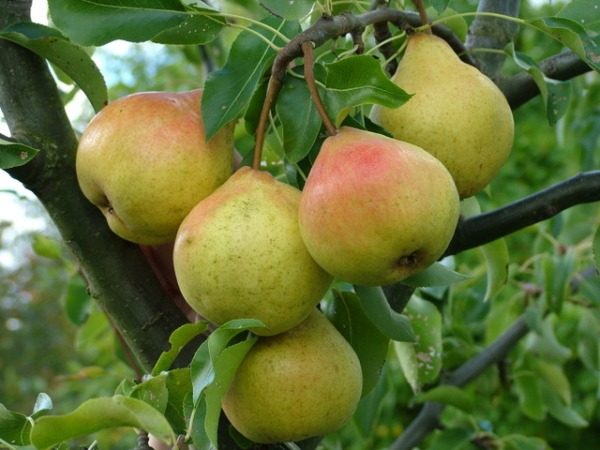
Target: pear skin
[303,383]
[145,162]
[239,254]
[456,113]
[375,210]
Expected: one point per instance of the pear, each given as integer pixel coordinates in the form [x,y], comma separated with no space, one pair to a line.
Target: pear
[303,383]
[145,162]
[239,254]
[375,210]
[456,113]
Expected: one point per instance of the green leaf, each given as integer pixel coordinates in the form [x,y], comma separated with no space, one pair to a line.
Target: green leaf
[559,279]
[178,339]
[99,414]
[546,345]
[571,34]
[290,10]
[451,439]
[407,358]
[46,246]
[368,342]
[497,260]
[596,249]
[359,80]
[43,403]
[69,57]
[520,442]
[369,407]
[228,91]
[555,378]
[97,22]
[530,396]
[153,391]
[439,5]
[555,94]
[179,386]
[426,322]
[299,118]
[584,12]
[448,395]
[13,154]
[560,411]
[77,300]
[390,323]
[435,275]
[14,427]
[225,366]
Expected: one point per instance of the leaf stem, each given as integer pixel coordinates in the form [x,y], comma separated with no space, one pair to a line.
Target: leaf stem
[273,88]
[307,50]
[422,13]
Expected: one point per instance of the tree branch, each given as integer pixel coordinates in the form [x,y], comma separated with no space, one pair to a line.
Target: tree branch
[428,418]
[493,33]
[521,88]
[487,227]
[118,276]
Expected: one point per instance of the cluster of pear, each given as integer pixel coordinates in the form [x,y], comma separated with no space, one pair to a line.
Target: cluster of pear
[373,211]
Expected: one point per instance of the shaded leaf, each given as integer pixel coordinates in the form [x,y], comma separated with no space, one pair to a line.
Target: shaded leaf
[228,91]
[179,387]
[555,94]
[435,275]
[390,323]
[77,300]
[69,57]
[584,12]
[369,407]
[99,414]
[520,442]
[370,345]
[555,377]
[178,339]
[13,154]
[153,391]
[596,249]
[497,260]
[299,118]
[451,439]
[560,411]
[530,396]
[14,427]
[448,395]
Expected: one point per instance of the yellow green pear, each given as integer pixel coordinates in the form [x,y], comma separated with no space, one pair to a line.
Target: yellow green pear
[302,383]
[375,210]
[145,162]
[239,254]
[456,113]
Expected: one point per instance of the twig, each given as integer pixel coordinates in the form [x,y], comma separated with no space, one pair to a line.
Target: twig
[428,418]
[521,88]
[307,49]
[487,227]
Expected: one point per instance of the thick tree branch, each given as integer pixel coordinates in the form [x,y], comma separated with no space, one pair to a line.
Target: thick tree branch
[492,33]
[428,418]
[118,275]
[521,88]
[487,227]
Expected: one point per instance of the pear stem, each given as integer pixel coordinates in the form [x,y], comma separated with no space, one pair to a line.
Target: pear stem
[422,13]
[272,91]
[309,62]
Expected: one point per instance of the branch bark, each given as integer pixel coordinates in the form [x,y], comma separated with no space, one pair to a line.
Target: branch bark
[428,418]
[487,227]
[119,277]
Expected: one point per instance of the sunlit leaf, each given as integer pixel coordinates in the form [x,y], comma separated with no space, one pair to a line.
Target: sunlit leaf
[448,395]
[153,391]
[228,91]
[179,386]
[69,57]
[359,80]
[370,345]
[407,358]
[43,403]
[46,246]
[390,323]
[555,377]
[435,275]
[13,154]
[290,10]
[178,339]
[562,412]
[100,414]
[369,407]
[97,22]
